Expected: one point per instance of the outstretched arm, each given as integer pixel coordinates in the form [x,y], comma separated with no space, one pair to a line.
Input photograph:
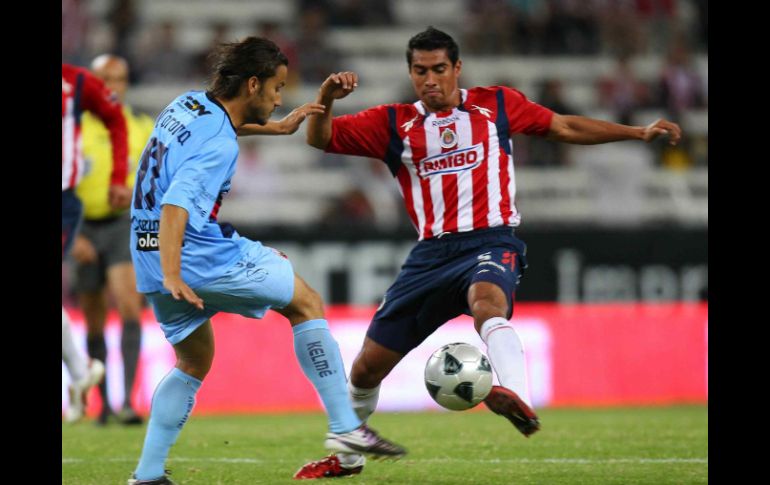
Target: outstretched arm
[588,131]
[336,86]
[287,125]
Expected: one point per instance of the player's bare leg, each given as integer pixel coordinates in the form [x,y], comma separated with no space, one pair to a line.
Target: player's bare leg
[489,307]
[373,363]
[122,284]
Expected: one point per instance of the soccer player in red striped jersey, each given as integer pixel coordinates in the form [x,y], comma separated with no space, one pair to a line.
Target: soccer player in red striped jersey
[451,154]
[82,91]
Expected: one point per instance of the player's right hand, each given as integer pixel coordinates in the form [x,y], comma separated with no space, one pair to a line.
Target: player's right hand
[291,122]
[83,251]
[339,85]
[179,290]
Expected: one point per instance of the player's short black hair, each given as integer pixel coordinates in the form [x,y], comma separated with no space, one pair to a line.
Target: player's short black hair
[236,62]
[431,39]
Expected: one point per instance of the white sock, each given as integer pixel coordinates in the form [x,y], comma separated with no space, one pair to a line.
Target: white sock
[76,364]
[364,400]
[351,460]
[506,353]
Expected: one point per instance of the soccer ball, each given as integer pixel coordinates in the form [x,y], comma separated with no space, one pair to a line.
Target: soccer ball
[458,376]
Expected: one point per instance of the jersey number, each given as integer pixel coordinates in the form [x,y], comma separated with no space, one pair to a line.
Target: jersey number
[156,151]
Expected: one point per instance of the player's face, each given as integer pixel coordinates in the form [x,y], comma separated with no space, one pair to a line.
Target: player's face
[267,98]
[435,79]
[114,73]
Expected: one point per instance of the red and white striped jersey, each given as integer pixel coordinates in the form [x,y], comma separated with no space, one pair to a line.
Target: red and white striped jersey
[454,168]
[81,90]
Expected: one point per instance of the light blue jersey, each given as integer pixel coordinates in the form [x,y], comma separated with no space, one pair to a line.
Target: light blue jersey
[188,162]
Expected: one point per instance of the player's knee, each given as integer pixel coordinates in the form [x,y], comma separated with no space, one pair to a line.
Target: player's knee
[129,310]
[197,367]
[306,305]
[314,304]
[487,308]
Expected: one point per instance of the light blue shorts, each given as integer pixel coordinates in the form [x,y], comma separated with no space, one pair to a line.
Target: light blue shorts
[262,279]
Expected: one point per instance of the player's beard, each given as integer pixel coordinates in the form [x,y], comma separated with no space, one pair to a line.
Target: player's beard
[255,113]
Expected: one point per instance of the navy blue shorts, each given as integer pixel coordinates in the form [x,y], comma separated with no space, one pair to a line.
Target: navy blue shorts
[71,212]
[432,287]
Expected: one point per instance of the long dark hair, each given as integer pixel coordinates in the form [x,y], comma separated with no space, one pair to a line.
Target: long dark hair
[238,61]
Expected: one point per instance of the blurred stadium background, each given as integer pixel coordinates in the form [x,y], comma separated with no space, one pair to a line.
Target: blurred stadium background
[613,308]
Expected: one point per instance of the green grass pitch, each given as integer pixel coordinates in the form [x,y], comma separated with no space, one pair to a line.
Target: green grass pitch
[651,445]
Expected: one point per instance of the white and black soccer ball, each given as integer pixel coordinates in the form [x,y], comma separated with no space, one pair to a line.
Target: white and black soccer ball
[458,376]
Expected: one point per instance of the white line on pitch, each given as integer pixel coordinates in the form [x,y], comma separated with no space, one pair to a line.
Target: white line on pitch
[579,461]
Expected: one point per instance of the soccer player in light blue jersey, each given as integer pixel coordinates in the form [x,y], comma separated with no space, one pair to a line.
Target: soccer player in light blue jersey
[190,267]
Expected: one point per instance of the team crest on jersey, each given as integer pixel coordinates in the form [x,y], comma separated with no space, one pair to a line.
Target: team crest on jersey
[448,138]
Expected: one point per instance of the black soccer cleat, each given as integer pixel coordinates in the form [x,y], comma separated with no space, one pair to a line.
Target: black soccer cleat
[164,480]
[508,404]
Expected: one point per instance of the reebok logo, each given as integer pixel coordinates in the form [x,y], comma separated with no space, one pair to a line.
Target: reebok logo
[147,241]
[318,358]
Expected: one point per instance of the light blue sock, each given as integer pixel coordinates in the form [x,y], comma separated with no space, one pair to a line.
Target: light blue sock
[171,406]
[321,361]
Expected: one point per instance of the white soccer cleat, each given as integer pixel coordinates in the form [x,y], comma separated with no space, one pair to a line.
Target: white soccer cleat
[79,391]
[363,440]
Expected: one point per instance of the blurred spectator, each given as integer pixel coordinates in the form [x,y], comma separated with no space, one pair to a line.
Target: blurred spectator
[201,64]
[681,88]
[255,178]
[323,5]
[621,29]
[352,209]
[658,18]
[358,13]
[122,17]
[702,9]
[74,31]
[374,178]
[272,30]
[572,28]
[543,152]
[622,93]
[488,29]
[161,60]
[529,18]
[316,58]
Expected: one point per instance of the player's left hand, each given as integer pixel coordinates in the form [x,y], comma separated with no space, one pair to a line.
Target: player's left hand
[119,196]
[291,122]
[662,127]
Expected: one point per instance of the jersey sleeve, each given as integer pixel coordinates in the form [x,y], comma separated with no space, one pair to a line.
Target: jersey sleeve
[525,116]
[99,100]
[364,134]
[196,184]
